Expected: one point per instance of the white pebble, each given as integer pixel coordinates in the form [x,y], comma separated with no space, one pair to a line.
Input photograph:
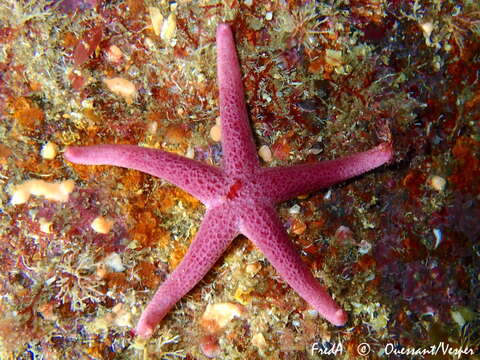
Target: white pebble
[295,209]
[59,191]
[101,225]
[219,315]
[114,261]
[216,133]
[156,18]
[437,182]
[438,237]
[168,28]
[45,226]
[122,87]
[49,151]
[265,153]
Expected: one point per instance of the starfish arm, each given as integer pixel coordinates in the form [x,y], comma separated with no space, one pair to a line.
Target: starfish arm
[263,227]
[239,152]
[216,232]
[287,182]
[200,180]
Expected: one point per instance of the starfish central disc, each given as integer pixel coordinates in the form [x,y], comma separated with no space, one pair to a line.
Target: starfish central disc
[234,189]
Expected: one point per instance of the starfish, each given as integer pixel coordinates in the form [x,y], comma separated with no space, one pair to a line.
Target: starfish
[240,196]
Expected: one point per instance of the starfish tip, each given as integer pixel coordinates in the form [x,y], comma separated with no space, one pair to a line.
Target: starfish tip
[69,154]
[388,148]
[223,29]
[383,153]
[144,331]
[339,318]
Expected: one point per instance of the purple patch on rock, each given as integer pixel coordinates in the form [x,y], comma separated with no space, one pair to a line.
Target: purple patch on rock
[70,6]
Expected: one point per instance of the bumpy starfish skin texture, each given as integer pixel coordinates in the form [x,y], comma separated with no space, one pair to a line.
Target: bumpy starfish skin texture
[240,196]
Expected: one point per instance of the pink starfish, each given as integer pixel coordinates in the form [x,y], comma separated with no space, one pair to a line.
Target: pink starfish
[240,196]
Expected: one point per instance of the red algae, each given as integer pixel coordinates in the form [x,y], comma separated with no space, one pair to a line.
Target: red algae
[87,45]
[467,172]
